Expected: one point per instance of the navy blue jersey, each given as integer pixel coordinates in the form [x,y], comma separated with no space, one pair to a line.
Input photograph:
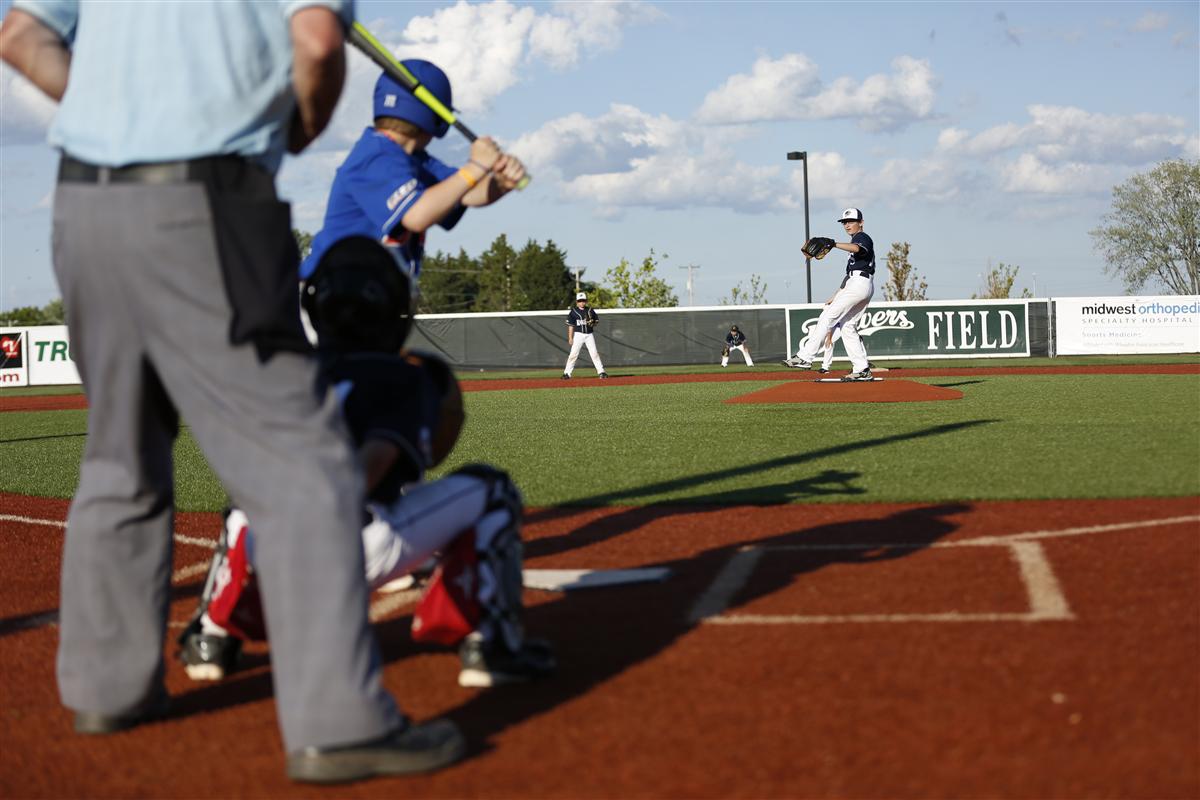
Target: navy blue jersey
[582,320]
[388,397]
[735,338]
[863,260]
[374,188]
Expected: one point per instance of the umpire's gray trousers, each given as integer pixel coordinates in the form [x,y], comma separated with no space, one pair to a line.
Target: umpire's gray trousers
[149,324]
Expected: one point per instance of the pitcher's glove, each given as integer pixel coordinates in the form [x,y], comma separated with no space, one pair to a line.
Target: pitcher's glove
[817,247]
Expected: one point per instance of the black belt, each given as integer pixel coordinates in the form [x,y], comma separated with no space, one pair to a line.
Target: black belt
[223,172]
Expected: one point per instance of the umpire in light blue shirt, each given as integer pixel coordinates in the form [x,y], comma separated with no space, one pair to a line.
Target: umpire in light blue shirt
[177,267]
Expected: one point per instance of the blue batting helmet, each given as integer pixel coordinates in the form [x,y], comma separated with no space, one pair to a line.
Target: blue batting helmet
[393,100]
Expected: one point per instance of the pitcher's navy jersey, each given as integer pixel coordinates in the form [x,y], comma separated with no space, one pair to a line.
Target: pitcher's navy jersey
[582,321]
[387,397]
[372,191]
[864,260]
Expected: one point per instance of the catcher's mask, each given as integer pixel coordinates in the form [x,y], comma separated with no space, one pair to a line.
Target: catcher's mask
[359,298]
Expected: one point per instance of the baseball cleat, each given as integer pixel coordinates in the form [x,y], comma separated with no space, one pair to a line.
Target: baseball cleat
[865,375]
[486,664]
[206,656]
[566,377]
[824,371]
[797,363]
[603,374]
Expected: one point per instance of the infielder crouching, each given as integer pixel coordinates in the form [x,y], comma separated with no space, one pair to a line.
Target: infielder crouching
[581,321]
[404,414]
[735,340]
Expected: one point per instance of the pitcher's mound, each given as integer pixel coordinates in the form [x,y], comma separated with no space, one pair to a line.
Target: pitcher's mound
[889,391]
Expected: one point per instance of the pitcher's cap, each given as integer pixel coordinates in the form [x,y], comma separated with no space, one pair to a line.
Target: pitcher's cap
[852,215]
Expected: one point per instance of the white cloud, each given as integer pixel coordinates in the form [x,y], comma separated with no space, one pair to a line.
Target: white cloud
[627,157]
[1151,21]
[1060,134]
[483,46]
[789,88]
[27,112]
[1031,174]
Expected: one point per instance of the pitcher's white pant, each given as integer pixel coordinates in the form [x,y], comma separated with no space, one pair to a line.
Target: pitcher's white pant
[577,344]
[827,358]
[847,306]
[745,355]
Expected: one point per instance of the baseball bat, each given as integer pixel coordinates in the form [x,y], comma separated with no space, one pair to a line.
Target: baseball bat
[374,49]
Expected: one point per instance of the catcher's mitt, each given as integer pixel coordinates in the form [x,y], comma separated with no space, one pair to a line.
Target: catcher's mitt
[817,247]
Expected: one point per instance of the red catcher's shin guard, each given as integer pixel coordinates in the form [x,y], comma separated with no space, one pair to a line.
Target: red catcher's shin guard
[449,608]
[234,602]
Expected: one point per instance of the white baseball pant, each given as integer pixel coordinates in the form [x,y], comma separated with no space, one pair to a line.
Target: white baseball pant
[745,355]
[845,310]
[577,344]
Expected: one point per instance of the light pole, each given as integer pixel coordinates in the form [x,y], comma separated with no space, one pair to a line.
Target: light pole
[803,156]
[577,271]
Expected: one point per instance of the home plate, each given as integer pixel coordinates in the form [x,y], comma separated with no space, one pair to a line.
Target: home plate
[564,580]
[839,380]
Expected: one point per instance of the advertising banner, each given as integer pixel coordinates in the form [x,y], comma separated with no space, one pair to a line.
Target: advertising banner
[14,361]
[964,329]
[1120,325]
[50,360]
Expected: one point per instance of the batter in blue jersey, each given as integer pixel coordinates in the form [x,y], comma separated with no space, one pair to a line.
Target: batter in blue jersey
[391,190]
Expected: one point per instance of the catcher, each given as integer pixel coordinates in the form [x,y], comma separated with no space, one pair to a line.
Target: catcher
[404,413]
[846,306]
[735,340]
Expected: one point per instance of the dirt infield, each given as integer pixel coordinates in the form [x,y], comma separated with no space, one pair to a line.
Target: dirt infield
[1000,649]
[78,401]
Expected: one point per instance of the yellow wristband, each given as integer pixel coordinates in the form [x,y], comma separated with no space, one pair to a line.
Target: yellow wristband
[468,177]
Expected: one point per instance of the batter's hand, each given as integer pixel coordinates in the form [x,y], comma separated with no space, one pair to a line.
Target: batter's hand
[485,152]
[508,172]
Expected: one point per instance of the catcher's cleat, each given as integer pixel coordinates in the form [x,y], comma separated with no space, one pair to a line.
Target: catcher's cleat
[486,664]
[865,375]
[603,374]
[206,656]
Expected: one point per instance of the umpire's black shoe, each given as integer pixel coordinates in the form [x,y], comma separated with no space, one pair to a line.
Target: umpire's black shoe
[408,750]
[486,664]
[93,724]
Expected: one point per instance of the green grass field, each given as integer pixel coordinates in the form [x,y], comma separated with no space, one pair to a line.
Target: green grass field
[1010,437]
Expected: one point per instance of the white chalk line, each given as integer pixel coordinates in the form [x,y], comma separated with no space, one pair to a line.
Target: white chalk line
[1047,602]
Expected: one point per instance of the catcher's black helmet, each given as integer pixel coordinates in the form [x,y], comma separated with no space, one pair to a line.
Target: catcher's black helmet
[359,298]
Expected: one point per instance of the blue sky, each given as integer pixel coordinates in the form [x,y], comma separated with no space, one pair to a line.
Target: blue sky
[978,132]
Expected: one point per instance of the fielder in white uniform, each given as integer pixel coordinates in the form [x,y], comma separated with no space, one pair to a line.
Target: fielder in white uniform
[581,321]
[847,304]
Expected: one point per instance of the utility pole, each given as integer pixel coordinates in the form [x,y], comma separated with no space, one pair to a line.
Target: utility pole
[577,271]
[691,285]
